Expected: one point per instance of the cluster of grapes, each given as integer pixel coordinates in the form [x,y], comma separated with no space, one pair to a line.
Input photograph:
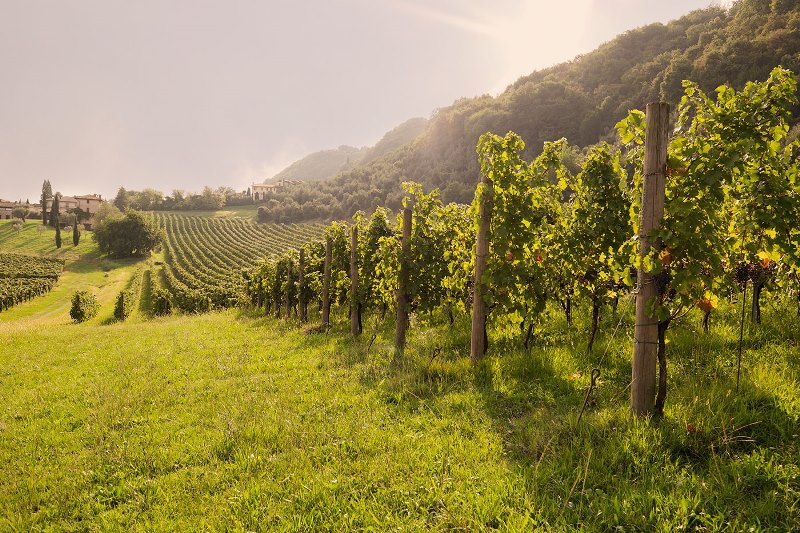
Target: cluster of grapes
[662,280]
[741,273]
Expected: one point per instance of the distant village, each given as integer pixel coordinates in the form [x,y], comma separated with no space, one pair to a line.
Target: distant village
[83,207]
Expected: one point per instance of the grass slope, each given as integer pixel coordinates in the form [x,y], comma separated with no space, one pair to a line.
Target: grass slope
[230,421]
[85,269]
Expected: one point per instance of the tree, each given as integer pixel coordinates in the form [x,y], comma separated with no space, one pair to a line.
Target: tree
[121,201]
[76,233]
[106,211]
[47,193]
[21,212]
[55,209]
[58,235]
[133,235]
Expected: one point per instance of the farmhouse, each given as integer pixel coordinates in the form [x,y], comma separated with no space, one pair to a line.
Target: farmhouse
[88,203]
[65,204]
[260,190]
[5,209]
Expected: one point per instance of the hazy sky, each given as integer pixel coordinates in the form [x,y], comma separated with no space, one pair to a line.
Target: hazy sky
[178,94]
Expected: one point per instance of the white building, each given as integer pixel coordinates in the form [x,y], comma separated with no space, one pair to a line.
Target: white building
[260,190]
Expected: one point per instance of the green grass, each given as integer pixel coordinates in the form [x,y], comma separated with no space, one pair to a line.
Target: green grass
[85,269]
[230,421]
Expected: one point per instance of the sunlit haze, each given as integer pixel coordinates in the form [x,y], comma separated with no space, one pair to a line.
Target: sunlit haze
[179,94]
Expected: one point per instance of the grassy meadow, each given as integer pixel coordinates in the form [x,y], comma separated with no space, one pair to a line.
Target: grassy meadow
[231,421]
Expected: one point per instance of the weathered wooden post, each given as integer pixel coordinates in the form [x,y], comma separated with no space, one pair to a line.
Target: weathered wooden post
[645,336]
[286,296]
[326,285]
[355,326]
[477,348]
[401,324]
[301,278]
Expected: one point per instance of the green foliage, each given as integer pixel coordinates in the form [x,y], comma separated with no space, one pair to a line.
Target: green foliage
[162,302]
[370,237]
[58,236]
[55,210]
[76,232]
[47,193]
[128,298]
[23,277]
[84,306]
[731,190]
[339,235]
[599,225]
[205,257]
[133,235]
[524,208]
[21,212]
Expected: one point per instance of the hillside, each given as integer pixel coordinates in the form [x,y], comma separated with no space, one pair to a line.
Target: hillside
[328,163]
[235,422]
[581,100]
[321,165]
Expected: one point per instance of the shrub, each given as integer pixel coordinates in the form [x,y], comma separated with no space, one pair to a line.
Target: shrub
[128,298]
[84,306]
[133,235]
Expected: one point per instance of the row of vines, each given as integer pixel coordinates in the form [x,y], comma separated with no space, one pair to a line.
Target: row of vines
[23,277]
[732,220]
[204,256]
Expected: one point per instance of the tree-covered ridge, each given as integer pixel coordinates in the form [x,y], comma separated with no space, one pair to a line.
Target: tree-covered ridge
[321,165]
[328,163]
[580,100]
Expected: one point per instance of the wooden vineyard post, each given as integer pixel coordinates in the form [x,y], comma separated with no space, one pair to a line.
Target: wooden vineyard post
[326,285]
[645,336]
[477,345]
[286,299]
[301,278]
[355,328]
[401,324]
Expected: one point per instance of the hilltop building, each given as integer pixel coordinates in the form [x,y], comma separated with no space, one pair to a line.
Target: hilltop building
[260,190]
[88,203]
[5,209]
[65,203]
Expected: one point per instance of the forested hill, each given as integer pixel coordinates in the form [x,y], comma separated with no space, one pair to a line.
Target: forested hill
[327,163]
[581,100]
[321,165]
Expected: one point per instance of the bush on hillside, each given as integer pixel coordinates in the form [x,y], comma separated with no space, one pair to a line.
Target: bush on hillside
[84,306]
[132,235]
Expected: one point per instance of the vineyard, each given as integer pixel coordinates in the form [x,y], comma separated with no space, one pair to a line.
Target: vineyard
[23,277]
[205,256]
[538,237]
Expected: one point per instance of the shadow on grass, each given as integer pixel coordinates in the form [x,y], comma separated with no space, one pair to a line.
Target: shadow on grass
[533,397]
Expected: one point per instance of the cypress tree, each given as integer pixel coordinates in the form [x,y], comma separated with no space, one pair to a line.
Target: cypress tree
[54,210]
[58,236]
[47,193]
[76,233]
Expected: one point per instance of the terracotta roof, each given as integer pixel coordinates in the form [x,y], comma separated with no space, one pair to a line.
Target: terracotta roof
[88,197]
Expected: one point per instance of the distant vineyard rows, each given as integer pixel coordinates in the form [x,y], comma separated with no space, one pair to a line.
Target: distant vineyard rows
[23,277]
[204,257]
